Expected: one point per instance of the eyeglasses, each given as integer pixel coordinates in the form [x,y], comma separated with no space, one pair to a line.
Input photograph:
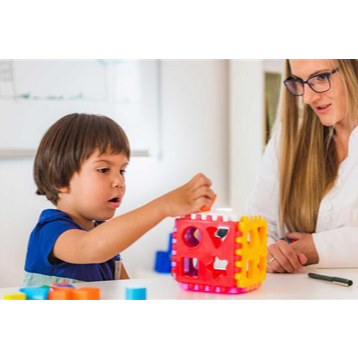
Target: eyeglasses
[318,83]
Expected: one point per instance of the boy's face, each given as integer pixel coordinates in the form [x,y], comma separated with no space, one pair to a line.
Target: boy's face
[97,190]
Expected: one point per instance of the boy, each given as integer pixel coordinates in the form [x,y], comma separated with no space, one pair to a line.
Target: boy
[80,167]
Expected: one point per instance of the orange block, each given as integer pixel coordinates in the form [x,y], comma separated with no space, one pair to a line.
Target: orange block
[61,294]
[87,293]
[208,208]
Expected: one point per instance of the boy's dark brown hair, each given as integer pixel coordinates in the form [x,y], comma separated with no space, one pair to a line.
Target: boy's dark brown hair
[70,141]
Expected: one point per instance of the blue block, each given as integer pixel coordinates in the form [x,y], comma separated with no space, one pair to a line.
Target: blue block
[163,259]
[170,248]
[35,293]
[163,262]
[136,293]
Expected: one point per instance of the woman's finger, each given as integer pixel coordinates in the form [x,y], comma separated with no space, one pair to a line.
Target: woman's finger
[290,255]
[279,255]
[273,265]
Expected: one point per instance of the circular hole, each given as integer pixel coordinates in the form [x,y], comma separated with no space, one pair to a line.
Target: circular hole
[192,236]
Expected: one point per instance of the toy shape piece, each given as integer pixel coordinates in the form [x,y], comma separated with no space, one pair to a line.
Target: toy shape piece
[136,293]
[15,296]
[163,259]
[163,262]
[87,293]
[36,293]
[61,285]
[208,208]
[64,293]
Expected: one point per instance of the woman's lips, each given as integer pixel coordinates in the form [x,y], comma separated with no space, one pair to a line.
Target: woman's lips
[323,109]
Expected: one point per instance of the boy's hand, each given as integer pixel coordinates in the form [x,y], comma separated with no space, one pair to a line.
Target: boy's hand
[189,198]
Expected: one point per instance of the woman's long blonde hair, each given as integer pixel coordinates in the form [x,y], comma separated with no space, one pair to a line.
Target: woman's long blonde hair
[309,162]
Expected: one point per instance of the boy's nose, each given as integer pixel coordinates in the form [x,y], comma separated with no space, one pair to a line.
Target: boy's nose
[118,182]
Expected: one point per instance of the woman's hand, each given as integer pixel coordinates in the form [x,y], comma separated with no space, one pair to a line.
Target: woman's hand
[282,258]
[305,245]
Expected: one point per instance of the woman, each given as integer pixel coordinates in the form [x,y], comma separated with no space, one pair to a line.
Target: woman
[308,182]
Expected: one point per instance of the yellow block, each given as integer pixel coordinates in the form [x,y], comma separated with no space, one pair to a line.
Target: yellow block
[15,296]
[253,252]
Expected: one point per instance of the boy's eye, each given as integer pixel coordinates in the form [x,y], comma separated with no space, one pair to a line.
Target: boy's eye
[103,170]
[123,172]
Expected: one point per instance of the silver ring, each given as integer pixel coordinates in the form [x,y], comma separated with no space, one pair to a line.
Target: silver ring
[271,260]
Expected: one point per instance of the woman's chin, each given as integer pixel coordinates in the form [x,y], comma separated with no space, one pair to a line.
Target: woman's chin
[328,122]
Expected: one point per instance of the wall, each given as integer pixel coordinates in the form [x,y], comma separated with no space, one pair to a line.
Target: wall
[247,128]
[194,139]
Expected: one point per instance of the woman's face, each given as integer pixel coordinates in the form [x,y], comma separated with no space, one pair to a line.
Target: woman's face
[330,106]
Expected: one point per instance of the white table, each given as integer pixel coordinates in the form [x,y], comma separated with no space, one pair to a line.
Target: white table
[276,286]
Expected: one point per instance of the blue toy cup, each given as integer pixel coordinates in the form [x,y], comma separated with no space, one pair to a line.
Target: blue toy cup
[136,293]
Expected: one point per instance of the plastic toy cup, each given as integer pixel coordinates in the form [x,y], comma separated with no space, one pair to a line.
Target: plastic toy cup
[136,293]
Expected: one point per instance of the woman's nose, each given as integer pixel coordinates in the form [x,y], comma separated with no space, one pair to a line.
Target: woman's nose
[310,95]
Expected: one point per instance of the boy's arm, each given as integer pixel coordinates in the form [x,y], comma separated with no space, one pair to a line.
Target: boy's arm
[106,240]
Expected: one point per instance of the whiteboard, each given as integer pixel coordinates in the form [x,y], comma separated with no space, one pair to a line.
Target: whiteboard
[36,93]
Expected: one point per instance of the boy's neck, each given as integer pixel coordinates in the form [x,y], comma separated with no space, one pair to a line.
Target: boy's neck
[85,224]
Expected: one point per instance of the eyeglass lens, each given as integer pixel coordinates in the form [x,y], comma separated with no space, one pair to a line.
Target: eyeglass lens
[318,84]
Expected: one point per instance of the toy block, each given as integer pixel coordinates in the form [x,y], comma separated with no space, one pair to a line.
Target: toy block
[86,293]
[219,252]
[64,293]
[163,259]
[136,293]
[36,293]
[15,296]
[208,208]
[61,285]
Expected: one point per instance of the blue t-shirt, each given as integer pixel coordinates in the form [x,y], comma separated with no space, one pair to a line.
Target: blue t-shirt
[39,269]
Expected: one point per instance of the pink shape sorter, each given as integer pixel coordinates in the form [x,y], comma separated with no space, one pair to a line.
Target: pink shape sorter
[220,252]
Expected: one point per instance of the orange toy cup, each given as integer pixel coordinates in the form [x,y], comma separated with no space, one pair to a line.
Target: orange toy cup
[87,293]
[61,294]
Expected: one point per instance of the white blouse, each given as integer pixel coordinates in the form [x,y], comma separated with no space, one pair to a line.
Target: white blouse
[336,236]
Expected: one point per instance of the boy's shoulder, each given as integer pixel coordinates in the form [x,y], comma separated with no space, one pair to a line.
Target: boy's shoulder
[55,215]
[49,215]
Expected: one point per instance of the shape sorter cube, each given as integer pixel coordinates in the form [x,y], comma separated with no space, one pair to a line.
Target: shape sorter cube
[219,252]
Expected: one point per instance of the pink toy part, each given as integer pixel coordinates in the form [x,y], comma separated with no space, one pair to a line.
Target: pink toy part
[211,289]
[207,254]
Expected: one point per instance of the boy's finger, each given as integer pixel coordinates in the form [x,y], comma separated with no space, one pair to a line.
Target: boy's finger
[201,202]
[197,177]
[208,206]
[204,191]
[200,180]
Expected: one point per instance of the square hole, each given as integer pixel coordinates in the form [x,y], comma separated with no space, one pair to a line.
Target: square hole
[190,267]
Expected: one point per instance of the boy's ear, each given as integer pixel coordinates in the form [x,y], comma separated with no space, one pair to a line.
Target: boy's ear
[63,190]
